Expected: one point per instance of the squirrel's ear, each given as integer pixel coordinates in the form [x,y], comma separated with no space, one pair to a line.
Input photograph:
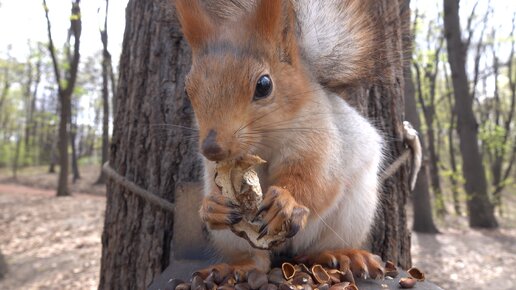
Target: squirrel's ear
[267,19]
[273,20]
[196,24]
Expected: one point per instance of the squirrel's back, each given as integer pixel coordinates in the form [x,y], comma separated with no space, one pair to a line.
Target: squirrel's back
[337,38]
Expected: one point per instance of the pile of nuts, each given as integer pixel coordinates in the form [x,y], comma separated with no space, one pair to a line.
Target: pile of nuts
[289,277]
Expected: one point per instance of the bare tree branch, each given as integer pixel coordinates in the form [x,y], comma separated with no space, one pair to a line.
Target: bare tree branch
[469,28]
[51,48]
[478,55]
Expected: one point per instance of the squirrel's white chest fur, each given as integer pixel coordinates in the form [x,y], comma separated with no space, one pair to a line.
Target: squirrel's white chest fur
[352,158]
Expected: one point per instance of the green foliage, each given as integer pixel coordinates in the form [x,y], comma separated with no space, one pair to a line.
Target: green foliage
[6,153]
[492,136]
[38,134]
[74,17]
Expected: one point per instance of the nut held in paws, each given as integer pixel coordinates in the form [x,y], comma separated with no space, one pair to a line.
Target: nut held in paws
[238,180]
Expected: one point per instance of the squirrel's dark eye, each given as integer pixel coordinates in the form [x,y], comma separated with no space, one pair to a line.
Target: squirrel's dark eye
[263,88]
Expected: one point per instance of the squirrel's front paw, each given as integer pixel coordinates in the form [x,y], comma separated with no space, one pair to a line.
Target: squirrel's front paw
[219,212]
[281,213]
[361,263]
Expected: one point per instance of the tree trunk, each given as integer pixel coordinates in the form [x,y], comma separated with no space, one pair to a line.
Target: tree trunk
[62,183]
[3,266]
[6,86]
[31,130]
[53,155]
[453,164]
[432,170]
[113,86]
[28,105]
[421,202]
[480,209]
[451,148]
[106,63]
[52,166]
[153,65]
[385,105]
[65,91]
[105,120]
[154,62]
[501,175]
[383,102]
[73,136]
[16,160]
[499,151]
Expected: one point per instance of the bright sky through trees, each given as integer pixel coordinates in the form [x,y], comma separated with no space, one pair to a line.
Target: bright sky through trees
[24,20]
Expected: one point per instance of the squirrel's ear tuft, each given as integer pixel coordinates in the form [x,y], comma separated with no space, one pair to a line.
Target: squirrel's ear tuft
[267,19]
[273,21]
[196,24]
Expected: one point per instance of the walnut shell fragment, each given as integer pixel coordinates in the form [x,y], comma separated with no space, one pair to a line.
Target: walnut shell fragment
[320,274]
[391,270]
[407,282]
[416,274]
[238,180]
[288,270]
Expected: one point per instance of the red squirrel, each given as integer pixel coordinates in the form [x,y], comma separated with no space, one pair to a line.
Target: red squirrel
[260,83]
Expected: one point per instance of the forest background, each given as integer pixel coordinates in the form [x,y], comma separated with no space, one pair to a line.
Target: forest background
[49,94]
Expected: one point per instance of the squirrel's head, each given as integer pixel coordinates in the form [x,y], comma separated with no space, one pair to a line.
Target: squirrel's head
[247,79]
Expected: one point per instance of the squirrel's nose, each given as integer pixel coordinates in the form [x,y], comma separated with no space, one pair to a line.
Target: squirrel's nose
[211,149]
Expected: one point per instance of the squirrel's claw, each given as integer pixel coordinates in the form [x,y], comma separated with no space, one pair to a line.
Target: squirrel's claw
[281,213]
[219,212]
[360,262]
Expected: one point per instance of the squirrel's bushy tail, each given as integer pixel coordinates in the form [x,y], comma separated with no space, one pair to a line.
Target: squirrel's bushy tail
[338,39]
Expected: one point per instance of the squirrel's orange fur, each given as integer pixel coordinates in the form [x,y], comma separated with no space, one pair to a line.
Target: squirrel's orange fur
[323,157]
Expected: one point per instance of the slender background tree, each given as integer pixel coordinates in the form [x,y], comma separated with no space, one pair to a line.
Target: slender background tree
[480,209]
[106,69]
[65,83]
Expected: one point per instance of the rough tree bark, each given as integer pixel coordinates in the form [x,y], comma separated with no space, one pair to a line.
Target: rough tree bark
[385,104]
[153,65]
[154,62]
[480,209]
